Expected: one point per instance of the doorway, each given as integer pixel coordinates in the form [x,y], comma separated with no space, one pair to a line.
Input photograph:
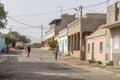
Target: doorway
[92,51]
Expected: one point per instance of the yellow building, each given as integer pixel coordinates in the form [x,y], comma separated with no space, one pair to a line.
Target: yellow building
[58,40]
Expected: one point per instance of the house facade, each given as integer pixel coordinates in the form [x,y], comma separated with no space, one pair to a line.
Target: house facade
[50,34]
[78,29]
[73,38]
[113,23]
[60,24]
[64,21]
[2,42]
[63,41]
[96,45]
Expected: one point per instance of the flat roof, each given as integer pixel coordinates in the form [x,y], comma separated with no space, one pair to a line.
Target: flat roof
[111,25]
[54,21]
[98,32]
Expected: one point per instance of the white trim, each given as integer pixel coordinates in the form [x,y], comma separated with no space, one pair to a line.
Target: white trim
[116,42]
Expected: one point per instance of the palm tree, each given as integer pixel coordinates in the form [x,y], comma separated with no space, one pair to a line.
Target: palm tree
[3,16]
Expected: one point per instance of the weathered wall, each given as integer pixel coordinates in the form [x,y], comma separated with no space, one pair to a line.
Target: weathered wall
[66,19]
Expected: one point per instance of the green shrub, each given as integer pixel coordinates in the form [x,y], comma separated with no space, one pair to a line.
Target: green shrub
[53,44]
[91,61]
[37,45]
[99,62]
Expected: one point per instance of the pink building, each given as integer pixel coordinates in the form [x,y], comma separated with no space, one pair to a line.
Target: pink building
[96,45]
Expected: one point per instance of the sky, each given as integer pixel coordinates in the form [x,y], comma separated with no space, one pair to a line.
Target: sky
[41,12]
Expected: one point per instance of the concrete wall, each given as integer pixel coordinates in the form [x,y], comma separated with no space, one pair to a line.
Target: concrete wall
[2,43]
[63,33]
[111,13]
[112,17]
[115,31]
[97,55]
[50,33]
[74,27]
[115,52]
[63,47]
[65,19]
[91,24]
[95,15]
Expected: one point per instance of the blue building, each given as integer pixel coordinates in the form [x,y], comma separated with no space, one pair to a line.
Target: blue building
[2,42]
[63,47]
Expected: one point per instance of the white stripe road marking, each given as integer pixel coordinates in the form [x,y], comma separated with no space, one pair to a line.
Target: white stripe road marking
[52,74]
[28,59]
[11,55]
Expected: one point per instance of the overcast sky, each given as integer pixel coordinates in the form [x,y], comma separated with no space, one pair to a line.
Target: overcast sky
[38,12]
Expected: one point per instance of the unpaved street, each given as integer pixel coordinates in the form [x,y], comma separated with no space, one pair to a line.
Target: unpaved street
[42,66]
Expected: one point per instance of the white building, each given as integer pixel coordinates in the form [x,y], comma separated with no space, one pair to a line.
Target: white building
[63,47]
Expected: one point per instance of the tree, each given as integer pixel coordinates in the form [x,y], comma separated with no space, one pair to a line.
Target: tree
[24,39]
[37,45]
[53,44]
[9,40]
[13,32]
[3,16]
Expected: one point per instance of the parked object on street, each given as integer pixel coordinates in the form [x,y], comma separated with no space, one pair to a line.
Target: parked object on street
[19,45]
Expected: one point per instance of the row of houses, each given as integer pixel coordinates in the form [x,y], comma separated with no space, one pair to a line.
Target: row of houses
[95,36]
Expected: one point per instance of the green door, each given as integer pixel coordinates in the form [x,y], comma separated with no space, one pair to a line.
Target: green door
[92,51]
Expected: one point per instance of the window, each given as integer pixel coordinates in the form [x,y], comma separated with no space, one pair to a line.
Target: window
[88,47]
[116,42]
[65,42]
[101,47]
[117,10]
[118,7]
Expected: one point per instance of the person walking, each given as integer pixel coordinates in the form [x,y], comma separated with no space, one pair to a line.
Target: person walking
[56,52]
[7,51]
[28,51]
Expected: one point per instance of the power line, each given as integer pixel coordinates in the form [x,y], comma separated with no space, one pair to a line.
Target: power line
[20,22]
[97,4]
[62,10]
[41,13]
[89,10]
[29,26]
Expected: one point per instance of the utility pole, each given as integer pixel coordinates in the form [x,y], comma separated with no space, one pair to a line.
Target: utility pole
[108,2]
[41,33]
[10,31]
[80,9]
[61,10]
[81,36]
